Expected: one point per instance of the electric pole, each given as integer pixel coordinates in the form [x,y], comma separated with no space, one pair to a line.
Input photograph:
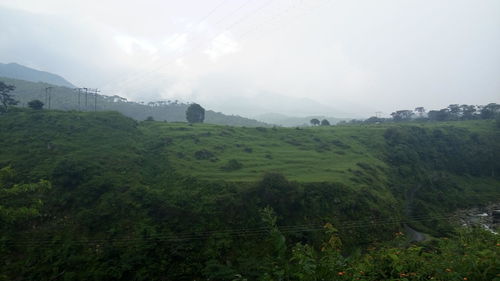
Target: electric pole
[48,95]
[79,90]
[86,97]
[95,99]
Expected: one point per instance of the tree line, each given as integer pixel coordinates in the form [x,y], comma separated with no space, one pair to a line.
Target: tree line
[453,112]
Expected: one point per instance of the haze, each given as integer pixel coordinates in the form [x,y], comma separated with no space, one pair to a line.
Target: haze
[336,58]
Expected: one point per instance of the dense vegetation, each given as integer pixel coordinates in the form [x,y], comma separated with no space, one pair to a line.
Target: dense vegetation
[99,196]
[453,112]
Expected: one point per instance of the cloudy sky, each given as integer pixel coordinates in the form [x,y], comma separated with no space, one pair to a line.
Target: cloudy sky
[250,57]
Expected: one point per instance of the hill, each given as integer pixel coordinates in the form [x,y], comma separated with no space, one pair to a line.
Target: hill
[17,71]
[64,98]
[149,200]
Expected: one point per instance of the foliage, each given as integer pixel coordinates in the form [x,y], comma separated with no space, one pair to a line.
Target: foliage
[453,112]
[195,113]
[18,201]
[6,99]
[325,122]
[314,122]
[35,104]
[402,115]
[122,205]
[232,165]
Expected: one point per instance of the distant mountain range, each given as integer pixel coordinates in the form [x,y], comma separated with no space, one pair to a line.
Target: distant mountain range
[17,71]
[64,98]
[30,84]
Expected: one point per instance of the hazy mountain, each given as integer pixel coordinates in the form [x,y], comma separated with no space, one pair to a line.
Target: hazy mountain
[292,121]
[21,72]
[63,98]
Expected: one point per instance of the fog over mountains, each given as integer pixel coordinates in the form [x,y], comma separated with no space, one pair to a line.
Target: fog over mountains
[300,58]
[17,71]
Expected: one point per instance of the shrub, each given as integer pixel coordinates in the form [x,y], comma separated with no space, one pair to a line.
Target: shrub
[232,165]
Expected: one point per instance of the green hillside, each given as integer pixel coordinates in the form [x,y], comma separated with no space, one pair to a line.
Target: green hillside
[152,200]
[64,98]
[306,155]
[314,154]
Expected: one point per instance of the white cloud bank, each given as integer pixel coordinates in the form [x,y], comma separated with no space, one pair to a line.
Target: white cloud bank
[348,58]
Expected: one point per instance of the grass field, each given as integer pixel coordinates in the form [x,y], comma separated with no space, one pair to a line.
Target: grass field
[314,154]
[306,154]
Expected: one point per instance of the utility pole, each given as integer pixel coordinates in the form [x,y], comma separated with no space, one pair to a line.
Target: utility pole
[86,97]
[79,90]
[48,95]
[378,113]
[95,99]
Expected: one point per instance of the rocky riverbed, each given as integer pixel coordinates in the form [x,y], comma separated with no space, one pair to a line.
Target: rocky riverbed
[487,217]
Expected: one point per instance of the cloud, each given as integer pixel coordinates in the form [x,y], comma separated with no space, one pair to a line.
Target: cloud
[353,57]
[133,45]
[176,42]
[221,45]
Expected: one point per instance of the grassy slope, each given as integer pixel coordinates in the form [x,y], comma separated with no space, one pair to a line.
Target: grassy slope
[35,143]
[307,155]
[332,154]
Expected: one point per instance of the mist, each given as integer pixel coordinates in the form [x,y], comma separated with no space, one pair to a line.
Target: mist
[333,58]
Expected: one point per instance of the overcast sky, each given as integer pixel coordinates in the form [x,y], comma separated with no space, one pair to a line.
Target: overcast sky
[249,57]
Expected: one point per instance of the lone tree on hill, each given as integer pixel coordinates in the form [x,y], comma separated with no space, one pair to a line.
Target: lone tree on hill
[195,113]
[325,122]
[35,104]
[314,122]
[6,100]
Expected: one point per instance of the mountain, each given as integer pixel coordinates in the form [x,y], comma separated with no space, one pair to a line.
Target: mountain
[64,98]
[21,72]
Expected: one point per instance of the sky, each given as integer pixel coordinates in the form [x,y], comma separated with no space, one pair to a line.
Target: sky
[252,57]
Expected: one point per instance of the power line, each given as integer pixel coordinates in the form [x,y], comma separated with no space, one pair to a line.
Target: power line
[193,49]
[204,18]
[180,237]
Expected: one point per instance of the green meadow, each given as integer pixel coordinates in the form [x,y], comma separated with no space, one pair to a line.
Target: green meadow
[302,154]
[305,154]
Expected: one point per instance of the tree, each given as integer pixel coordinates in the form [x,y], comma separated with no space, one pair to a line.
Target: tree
[6,100]
[421,111]
[402,115]
[35,104]
[468,111]
[325,122]
[489,111]
[314,122]
[439,115]
[195,113]
[373,120]
[455,111]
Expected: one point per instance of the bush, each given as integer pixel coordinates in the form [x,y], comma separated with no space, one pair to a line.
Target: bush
[203,154]
[232,165]
[35,104]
